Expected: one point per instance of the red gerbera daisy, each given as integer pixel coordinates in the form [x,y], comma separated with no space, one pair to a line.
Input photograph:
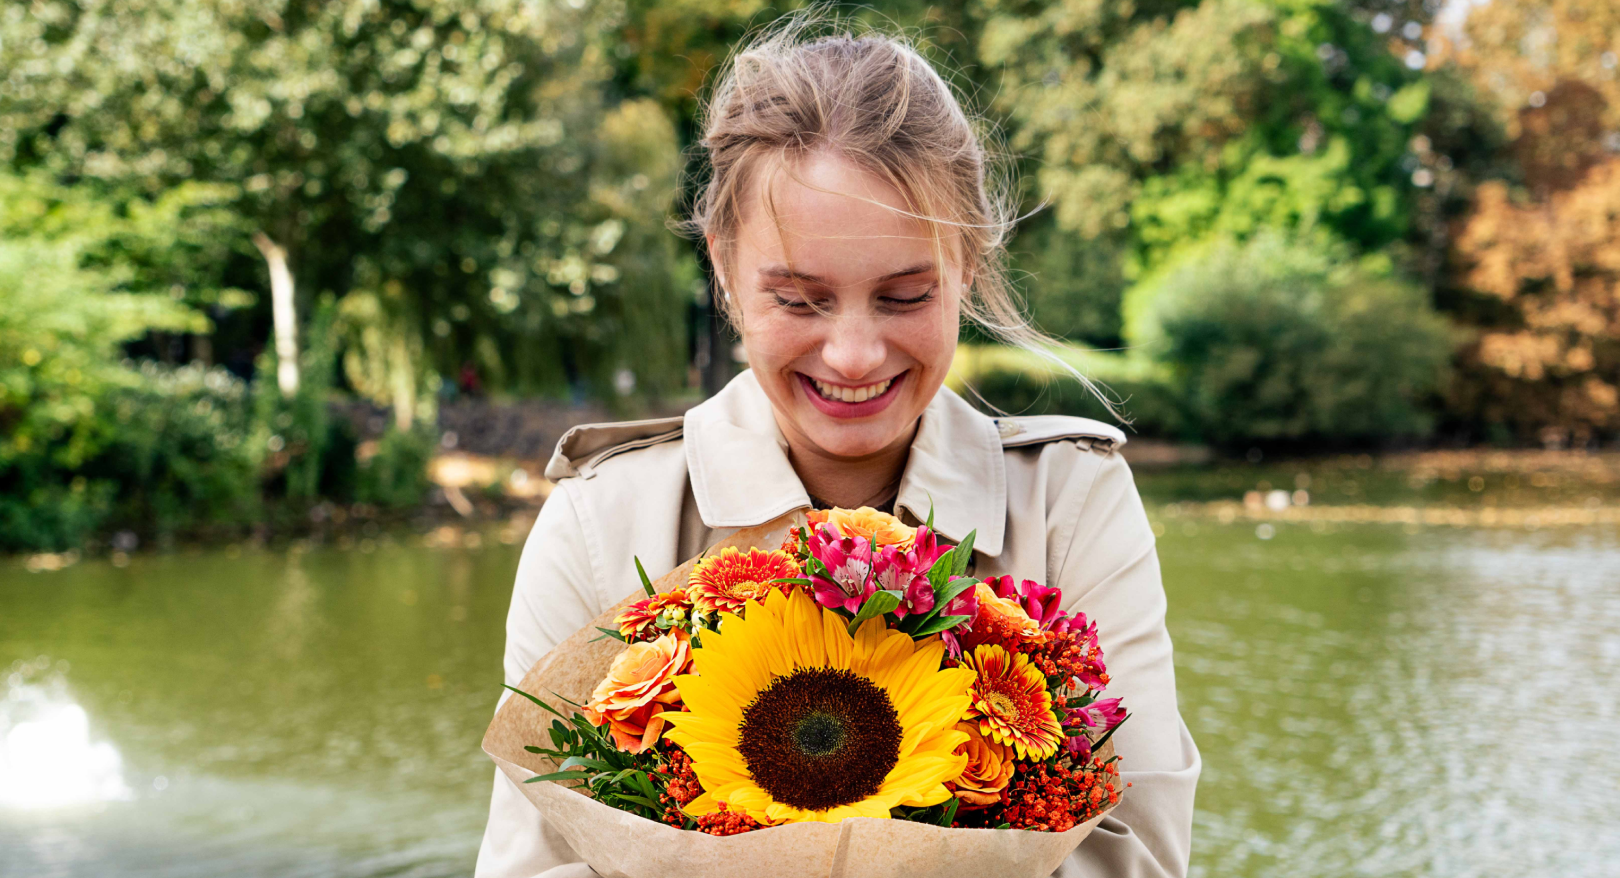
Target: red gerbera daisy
[725,581]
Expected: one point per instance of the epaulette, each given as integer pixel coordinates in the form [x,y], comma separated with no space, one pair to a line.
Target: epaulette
[1017,432]
[585,446]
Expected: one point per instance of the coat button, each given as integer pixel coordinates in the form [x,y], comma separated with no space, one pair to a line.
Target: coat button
[1008,429]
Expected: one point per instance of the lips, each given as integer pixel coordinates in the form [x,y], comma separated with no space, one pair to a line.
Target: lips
[850,401]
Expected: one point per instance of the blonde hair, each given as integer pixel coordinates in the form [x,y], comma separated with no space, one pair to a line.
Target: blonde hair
[809,84]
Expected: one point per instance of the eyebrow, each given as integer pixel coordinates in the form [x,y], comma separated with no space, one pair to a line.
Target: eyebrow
[782,272]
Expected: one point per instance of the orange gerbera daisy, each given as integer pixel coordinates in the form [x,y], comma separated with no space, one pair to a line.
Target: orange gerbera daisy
[866,523]
[725,581]
[1011,703]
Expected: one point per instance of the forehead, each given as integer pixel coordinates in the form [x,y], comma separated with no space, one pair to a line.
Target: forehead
[828,217]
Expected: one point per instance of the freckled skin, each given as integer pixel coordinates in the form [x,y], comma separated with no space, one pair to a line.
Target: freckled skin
[849,326]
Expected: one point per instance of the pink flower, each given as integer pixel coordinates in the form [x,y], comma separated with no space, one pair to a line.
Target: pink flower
[906,571]
[848,567]
[854,573]
[1098,715]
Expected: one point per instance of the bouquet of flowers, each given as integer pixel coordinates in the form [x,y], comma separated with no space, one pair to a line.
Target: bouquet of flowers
[752,705]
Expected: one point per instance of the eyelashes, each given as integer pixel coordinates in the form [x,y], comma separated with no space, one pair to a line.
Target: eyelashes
[893,303]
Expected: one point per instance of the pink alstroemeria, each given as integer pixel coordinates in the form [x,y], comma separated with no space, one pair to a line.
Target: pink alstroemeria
[849,581]
[907,572]
[1098,715]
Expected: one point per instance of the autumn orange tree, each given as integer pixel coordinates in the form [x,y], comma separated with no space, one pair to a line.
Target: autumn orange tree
[1544,247]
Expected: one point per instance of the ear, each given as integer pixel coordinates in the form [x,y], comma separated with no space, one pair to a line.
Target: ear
[715,264]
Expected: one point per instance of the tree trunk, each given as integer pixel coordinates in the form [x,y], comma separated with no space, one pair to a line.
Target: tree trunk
[281,309]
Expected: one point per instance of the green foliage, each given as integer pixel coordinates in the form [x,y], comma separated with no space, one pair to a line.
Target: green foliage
[468,150]
[86,442]
[1019,383]
[1277,340]
[1222,117]
[180,455]
[304,449]
[395,475]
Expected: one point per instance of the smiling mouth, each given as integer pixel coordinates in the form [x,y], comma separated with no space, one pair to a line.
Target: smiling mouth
[839,393]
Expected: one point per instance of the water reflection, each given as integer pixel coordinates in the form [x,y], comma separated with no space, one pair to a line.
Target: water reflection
[47,759]
[1368,702]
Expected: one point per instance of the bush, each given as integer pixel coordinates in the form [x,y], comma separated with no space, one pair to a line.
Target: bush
[61,327]
[1274,340]
[179,454]
[1017,382]
[394,476]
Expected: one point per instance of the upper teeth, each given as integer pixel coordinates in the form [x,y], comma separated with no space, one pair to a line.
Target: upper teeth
[852,394]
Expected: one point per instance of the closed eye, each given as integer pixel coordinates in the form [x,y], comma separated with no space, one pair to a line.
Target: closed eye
[906,303]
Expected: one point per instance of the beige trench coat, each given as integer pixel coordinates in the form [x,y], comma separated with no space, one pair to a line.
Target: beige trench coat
[1050,497]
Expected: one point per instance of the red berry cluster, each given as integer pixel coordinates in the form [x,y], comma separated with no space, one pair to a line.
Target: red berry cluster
[1064,656]
[1050,797]
[683,786]
[723,822]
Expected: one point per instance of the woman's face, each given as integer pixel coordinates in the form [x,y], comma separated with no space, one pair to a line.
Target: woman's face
[849,320]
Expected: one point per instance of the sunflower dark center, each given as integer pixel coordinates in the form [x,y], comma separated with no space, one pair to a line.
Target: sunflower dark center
[820,737]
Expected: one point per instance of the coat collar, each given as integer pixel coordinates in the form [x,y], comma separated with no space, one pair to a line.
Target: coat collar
[741,477]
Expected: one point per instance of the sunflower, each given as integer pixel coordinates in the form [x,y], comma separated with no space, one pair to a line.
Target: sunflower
[1011,703]
[792,719]
[723,582]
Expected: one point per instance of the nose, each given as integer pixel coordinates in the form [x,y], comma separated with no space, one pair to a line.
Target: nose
[854,347]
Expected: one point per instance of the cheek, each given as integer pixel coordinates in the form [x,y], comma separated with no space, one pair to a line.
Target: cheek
[772,337]
[929,339]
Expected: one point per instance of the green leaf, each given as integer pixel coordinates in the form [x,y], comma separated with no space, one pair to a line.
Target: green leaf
[800,581]
[1003,826]
[532,749]
[938,624]
[879,603]
[646,583]
[951,589]
[586,762]
[963,553]
[930,522]
[950,811]
[559,776]
[609,634]
[1410,103]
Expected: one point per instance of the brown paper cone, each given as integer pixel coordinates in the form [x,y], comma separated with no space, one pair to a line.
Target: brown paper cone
[618,844]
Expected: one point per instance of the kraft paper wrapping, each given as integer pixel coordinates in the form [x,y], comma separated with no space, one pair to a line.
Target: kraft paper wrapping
[618,844]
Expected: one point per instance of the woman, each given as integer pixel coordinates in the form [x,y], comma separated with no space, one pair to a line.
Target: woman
[850,228]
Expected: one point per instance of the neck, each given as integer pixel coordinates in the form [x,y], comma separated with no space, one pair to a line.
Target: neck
[849,481]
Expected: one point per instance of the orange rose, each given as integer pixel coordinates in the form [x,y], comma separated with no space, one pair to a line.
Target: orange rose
[638,689]
[989,768]
[1000,620]
[867,523]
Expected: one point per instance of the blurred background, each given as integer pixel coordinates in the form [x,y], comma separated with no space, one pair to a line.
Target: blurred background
[296,297]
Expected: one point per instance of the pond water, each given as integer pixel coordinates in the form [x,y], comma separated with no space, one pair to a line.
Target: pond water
[1369,701]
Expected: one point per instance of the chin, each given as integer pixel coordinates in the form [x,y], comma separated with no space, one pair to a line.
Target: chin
[853,441]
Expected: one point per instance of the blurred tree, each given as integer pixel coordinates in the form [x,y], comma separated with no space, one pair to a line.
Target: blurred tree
[1533,268]
[466,149]
[1181,120]
[1553,365]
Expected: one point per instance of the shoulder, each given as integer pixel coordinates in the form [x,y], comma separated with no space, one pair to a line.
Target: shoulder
[584,448]
[1034,432]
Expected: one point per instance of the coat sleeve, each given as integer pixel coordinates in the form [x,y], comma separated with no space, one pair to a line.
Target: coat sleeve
[1108,568]
[552,598]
